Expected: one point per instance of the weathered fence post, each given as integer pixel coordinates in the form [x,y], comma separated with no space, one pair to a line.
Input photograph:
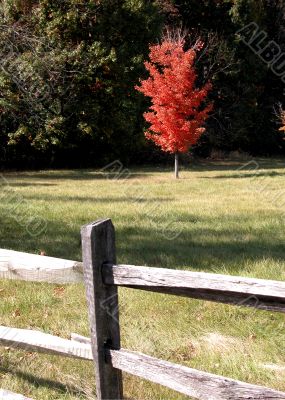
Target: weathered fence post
[98,246]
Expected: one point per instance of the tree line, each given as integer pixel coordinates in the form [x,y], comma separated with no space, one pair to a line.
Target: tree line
[69,69]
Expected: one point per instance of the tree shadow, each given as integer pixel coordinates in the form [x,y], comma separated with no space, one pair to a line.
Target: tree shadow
[237,165]
[81,174]
[197,248]
[198,243]
[42,382]
[105,200]
[246,175]
[27,184]
[119,172]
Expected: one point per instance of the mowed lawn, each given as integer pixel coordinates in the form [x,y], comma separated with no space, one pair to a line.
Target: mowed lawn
[224,217]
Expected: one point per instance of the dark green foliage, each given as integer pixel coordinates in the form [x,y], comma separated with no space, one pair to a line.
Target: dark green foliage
[247,91]
[68,87]
[68,70]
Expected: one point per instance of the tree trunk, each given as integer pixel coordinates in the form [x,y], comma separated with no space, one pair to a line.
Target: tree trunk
[176,166]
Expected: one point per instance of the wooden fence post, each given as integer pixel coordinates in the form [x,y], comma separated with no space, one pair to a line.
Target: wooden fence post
[98,246]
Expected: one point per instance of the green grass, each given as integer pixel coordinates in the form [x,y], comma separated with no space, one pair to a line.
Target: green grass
[230,221]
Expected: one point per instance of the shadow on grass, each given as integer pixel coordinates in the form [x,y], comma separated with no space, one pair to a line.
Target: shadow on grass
[83,175]
[198,248]
[106,200]
[233,246]
[41,382]
[245,175]
[134,172]
[238,165]
[31,184]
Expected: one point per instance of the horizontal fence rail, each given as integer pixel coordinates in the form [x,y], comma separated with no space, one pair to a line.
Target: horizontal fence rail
[29,340]
[249,292]
[258,293]
[31,267]
[198,384]
[188,381]
[102,276]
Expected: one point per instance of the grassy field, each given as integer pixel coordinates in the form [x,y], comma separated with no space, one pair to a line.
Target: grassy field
[225,217]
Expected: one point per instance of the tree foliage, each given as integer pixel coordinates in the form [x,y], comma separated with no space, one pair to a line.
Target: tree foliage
[68,71]
[177,113]
[244,88]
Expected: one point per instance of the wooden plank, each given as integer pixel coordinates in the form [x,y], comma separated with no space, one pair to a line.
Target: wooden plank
[30,340]
[197,384]
[98,246]
[7,395]
[80,338]
[31,267]
[258,293]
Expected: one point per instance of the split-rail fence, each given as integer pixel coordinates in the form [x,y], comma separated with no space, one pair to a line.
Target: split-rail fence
[102,276]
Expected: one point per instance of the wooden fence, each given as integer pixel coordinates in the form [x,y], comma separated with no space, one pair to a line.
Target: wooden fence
[102,276]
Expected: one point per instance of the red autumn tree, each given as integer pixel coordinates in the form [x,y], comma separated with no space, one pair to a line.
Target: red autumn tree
[282,118]
[178,110]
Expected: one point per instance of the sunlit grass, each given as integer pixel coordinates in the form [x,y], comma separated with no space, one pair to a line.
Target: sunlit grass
[227,220]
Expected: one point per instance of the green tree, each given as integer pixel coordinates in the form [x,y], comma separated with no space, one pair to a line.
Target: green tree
[68,73]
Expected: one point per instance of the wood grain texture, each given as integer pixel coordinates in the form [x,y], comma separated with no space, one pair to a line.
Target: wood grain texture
[197,384]
[31,267]
[258,293]
[98,246]
[7,395]
[36,341]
